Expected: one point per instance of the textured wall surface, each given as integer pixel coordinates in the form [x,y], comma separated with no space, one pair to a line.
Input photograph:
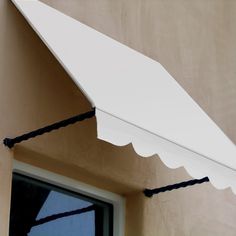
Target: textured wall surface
[194,40]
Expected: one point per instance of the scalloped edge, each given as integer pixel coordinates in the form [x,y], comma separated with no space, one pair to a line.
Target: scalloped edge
[145,144]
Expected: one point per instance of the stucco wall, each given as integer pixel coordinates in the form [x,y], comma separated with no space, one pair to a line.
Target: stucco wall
[35,91]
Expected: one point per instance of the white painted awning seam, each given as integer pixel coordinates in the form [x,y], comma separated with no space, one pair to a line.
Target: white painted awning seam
[166,139]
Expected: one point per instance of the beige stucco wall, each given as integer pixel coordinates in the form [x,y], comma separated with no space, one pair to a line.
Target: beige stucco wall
[192,39]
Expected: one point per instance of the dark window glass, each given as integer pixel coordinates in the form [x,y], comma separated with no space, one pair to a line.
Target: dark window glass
[42,209]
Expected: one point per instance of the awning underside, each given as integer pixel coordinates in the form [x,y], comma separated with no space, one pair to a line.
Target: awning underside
[136,99]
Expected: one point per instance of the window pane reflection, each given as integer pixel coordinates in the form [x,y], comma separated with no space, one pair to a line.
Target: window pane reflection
[40,209]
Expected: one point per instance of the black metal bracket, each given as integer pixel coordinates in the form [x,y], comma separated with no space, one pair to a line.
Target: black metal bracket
[151,192]
[63,214]
[10,142]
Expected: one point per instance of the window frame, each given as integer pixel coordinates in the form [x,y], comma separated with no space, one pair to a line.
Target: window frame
[76,186]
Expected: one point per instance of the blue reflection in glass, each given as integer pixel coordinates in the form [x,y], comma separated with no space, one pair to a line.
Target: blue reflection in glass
[82,224]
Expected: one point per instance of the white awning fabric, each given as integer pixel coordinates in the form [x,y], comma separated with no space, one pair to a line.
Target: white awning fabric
[136,99]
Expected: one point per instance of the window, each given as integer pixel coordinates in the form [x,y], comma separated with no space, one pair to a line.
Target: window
[43,208]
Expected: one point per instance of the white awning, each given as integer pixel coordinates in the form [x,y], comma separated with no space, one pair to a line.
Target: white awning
[136,99]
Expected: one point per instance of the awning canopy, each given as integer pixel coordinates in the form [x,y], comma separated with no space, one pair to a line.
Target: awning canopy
[137,101]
